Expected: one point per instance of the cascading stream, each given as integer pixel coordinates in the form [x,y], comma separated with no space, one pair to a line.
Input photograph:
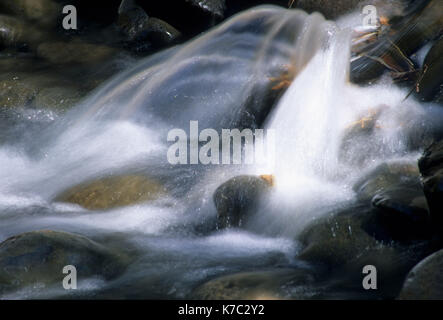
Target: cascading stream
[224,79]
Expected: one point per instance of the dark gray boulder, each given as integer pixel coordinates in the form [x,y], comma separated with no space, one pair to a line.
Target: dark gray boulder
[425,281]
[238,198]
[431,168]
[37,259]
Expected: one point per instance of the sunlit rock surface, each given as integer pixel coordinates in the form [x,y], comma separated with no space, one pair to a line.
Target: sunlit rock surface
[111,192]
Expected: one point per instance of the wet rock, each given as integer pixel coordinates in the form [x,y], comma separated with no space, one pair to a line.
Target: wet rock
[15,63]
[159,32]
[43,12]
[37,259]
[20,89]
[431,168]
[132,19]
[338,239]
[404,213]
[11,31]
[215,7]
[330,9]
[57,98]
[237,198]
[17,33]
[425,281]
[386,176]
[432,159]
[361,140]
[346,241]
[74,52]
[112,192]
[430,82]
[143,31]
[371,135]
[259,285]
[16,93]
[395,189]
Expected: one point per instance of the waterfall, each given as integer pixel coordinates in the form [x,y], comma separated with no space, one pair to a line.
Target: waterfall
[313,172]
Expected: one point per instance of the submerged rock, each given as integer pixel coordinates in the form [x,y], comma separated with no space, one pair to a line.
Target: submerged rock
[39,90]
[16,93]
[112,192]
[37,259]
[17,33]
[74,52]
[43,12]
[425,281]
[259,285]
[57,98]
[238,198]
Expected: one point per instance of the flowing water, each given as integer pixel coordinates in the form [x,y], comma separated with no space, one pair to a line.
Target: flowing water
[219,79]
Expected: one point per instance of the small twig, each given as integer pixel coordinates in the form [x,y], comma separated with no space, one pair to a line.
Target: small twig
[291,3]
[417,84]
[408,61]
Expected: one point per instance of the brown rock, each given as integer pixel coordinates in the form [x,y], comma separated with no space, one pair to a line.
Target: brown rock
[112,192]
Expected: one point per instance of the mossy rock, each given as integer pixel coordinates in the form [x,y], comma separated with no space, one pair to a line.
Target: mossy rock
[112,192]
[19,89]
[37,258]
[74,52]
[16,93]
[57,98]
[42,12]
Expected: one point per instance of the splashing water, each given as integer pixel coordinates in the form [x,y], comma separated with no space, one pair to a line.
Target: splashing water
[313,173]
